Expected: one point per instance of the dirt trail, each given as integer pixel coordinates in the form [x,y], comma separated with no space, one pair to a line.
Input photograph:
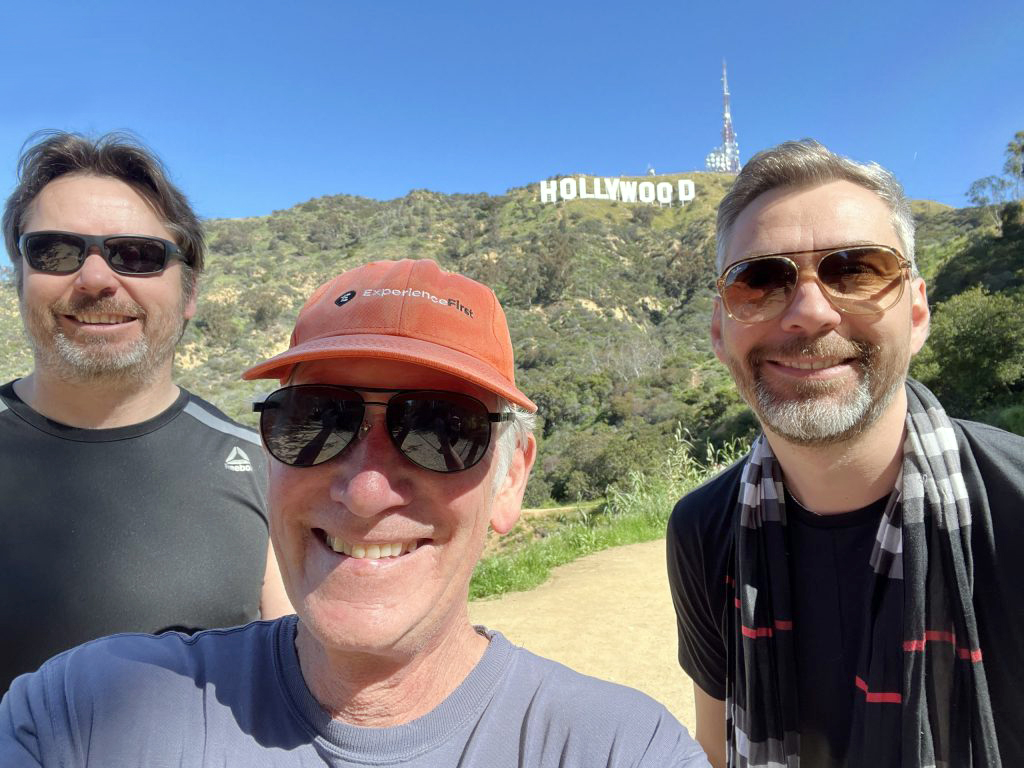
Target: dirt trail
[608,615]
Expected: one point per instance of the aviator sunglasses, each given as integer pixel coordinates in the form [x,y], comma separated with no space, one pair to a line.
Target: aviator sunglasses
[308,424]
[858,280]
[61,253]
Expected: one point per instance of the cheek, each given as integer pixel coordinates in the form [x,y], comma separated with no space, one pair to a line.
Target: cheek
[288,494]
[736,341]
[39,289]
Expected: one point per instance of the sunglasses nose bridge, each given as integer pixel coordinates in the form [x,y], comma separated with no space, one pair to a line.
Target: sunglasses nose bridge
[374,415]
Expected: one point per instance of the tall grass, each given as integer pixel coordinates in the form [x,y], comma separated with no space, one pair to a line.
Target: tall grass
[635,511]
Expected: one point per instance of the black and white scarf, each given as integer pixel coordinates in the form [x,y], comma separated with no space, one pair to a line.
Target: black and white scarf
[920,676]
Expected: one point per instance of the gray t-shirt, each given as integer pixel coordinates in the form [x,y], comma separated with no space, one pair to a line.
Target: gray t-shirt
[236,697]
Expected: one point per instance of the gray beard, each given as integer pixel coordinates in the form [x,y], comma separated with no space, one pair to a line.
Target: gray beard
[95,360]
[91,362]
[818,421]
[819,414]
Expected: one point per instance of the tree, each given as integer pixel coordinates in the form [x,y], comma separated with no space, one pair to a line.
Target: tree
[989,193]
[1014,165]
[974,357]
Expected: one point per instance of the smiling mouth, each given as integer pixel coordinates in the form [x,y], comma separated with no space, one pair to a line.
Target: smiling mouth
[812,365]
[100,318]
[377,550]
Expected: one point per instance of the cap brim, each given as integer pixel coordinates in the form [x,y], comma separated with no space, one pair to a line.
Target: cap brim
[387,347]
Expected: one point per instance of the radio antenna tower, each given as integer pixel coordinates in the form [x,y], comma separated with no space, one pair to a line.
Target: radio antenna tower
[726,158]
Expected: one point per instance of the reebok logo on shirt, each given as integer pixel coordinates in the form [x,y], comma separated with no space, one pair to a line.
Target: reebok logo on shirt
[237,461]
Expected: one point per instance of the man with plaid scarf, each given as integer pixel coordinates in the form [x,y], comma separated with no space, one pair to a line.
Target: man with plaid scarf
[847,595]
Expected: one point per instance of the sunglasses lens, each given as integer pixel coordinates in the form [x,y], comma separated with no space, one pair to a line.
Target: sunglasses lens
[136,255]
[56,253]
[760,289]
[442,431]
[862,280]
[308,425]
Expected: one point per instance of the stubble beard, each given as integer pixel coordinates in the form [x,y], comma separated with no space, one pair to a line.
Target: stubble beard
[821,413]
[91,359]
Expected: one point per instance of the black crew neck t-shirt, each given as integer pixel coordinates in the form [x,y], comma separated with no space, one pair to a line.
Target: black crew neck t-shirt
[830,580]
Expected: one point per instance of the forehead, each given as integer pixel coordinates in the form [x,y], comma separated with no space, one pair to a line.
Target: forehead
[809,218]
[93,205]
[386,374]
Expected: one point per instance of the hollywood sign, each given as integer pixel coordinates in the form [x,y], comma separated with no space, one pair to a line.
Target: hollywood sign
[604,188]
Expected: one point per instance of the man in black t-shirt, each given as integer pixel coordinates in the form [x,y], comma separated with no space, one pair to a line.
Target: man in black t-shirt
[128,504]
[846,595]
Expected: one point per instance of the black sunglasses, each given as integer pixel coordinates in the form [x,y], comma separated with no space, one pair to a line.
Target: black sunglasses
[859,280]
[61,253]
[308,424]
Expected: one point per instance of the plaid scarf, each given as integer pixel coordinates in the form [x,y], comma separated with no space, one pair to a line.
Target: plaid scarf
[921,681]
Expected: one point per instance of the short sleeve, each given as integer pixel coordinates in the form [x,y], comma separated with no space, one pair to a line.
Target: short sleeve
[26,735]
[698,543]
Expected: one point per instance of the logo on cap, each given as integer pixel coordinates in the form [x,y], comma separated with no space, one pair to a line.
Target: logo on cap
[345,298]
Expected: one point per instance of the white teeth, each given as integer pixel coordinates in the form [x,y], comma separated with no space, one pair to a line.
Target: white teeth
[100,319]
[374,551]
[813,365]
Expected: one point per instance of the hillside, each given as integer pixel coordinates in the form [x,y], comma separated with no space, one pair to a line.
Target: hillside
[608,303]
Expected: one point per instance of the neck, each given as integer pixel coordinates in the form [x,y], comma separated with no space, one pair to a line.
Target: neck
[839,478]
[386,689]
[98,403]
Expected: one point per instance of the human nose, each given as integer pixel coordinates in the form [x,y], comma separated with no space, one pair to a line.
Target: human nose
[95,277]
[370,477]
[810,312]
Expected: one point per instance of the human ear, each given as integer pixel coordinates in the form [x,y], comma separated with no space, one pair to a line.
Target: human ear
[716,329]
[508,500]
[920,315]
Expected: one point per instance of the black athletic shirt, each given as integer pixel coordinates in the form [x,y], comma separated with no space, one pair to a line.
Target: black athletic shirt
[699,541]
[142,528]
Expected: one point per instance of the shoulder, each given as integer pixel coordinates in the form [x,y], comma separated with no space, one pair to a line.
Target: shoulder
[616,721]
[991,440]
[564,686]
[9,401]
[992,463]
[705,511]
[208,415]
[133,683]
[140,667]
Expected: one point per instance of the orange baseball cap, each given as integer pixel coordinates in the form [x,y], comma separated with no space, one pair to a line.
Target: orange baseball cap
[411,311]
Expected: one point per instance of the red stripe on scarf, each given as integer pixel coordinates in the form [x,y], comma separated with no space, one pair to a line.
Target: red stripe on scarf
[780,625]
[878,698]
[942,636]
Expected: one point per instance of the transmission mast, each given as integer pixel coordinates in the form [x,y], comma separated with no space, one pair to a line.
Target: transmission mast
[726,158]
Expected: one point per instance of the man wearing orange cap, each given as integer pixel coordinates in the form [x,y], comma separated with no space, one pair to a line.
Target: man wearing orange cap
[397,436]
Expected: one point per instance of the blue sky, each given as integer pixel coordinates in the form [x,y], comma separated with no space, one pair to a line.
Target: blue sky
[257,106]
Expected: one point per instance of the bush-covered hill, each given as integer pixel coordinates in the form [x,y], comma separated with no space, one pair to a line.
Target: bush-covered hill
[608,303]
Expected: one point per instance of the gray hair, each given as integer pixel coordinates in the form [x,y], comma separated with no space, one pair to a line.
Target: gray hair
[513,435]
[807,163]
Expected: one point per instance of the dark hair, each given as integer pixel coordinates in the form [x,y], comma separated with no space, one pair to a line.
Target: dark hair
[120,155]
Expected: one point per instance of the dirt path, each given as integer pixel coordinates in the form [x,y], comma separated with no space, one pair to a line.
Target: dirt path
[608,615]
